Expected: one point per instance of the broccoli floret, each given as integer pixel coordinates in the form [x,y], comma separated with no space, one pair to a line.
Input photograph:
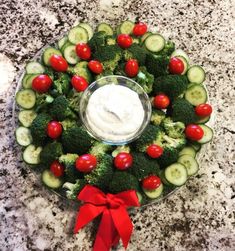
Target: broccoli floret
[68,123]
[171,85]
[98,39]
[123,181]
[74,101]
[51,152]
[76,140]
[145,79]
[168,48]
[137,52]
[43,102]
[74,188]
[120,70]
[169,156]
[62,83]
[111,40]
[120,149]
[68,159]
[49,71]
[157,64]
[173,129]
[104,74]
[157,116]
[99,148]
[183,111]
[38,128]
[60,109]
[102,174]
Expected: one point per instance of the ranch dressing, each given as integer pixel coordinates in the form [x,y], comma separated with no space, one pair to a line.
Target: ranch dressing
[114,112]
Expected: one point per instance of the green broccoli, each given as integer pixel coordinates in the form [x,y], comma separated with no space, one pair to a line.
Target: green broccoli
[76,140]
[157,116]
[68,123]
[102,174]
[74,188]
[120,70]
[43,102]
[99,148]
[145,79]
[74,101]
[168,48]
[104,74]
[169,156]
[173,129]
[51,152]
[60,109]
[157,64]
[120,149]
[111,40]
[62,83]
[137,52]
[38,128]
[123,181]
[183,111]
[49,71]
[98,39]
[171,85]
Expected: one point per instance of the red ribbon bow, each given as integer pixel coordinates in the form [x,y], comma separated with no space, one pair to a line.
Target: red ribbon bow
[115,222]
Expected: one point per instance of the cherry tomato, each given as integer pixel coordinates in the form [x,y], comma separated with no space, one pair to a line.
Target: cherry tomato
[161,101]
[176,66]
[79,83]
[194,132]
[54,129]
[139,29]
[203,110]
[154,151]
[151,182]
[58,63]
[41,83]
[124,40]
[123,161]
[95,66]
[83,51]
[57,169]
[131,68]
[86,163]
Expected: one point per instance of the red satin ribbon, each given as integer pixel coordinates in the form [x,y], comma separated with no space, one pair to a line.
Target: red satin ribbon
[115,222]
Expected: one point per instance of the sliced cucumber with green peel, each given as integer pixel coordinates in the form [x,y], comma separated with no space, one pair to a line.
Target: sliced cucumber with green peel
[155,193]
[190,163]
[207,136]
[118,29]
[78,35]
[27,82]
[26,98]
[34,68]
[196,74]
[145,36]
[26,117]
[127,27]
[65,46]
[31,154]
[179,52]
[189,150]
[176,174]
[154,42]
[88,28]
[190,85]
[185,64]
[203,120]
[50,51]
[106,28]
[50,180]
[194,144]
[196,94]
[62,41]
[81,69]
[70,54]
[140,197]
[23,136]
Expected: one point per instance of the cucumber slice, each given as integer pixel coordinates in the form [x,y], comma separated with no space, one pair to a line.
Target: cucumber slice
[26,117]
[189,150]
[207,136]
[31,154]
[34,68]
[71,55]
[127,27]
[106,28]
[185,64]
[27,83]
[190,85]
[190,163]
[78,35]
[196,94]
[24,80]
[176,174]
[23,136]
[48,53]
[197,146]
[154,42]
[180,52]
[196,74]
[88,28]
[140,197]
[118,29]
[203,120]
[81,69]
[65,45]
[50,180]
[145,36]
[62,41]
[153,194]
[26,98]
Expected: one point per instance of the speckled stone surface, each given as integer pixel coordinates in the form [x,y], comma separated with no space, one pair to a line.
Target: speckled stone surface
[199,216]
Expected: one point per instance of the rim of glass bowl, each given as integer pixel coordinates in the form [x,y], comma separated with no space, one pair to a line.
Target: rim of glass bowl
[122,81]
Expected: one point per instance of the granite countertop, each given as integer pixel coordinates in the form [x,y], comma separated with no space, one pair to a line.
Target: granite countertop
[199,216]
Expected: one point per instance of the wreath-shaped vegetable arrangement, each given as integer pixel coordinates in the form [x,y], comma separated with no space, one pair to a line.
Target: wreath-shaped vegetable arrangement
[56,142]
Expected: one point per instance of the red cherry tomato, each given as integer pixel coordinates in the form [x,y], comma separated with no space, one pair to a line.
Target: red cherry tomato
[124,40]
[79,83]
[86,163]
[194,132]
[41,83]
[83,51]
[176,66]
[131,68]
[54,129]
[123,161]
[154,151]
[95,66]
[203,110]
[139,29]
[57,169]
[161,101]
[58,63]
[151,182]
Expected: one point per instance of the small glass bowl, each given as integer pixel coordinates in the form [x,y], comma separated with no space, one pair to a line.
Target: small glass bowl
[122,81]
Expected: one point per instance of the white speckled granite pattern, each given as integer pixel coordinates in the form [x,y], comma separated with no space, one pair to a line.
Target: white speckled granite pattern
[200,216]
